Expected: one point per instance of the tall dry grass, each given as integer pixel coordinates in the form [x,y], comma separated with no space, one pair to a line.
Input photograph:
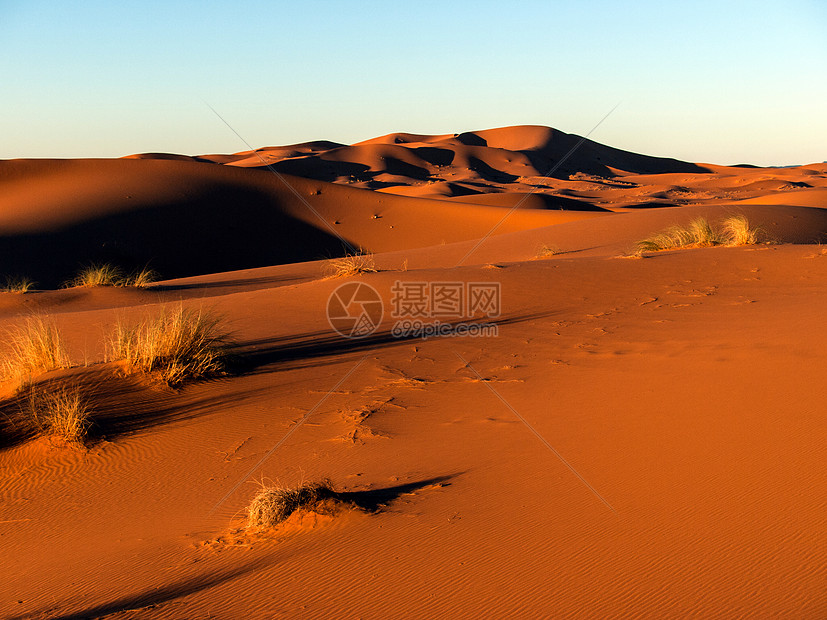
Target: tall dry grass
[106,274]
[737,231]
[142,278]
[61,413]
[97,274]
[32,347]
[177,345]
[733,231]
[18,285]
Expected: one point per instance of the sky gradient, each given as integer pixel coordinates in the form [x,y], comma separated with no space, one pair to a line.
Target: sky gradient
[719,82]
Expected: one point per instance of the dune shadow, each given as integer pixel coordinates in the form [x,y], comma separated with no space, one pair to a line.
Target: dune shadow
[488,173]
[252,283]
[650,205]
[226,228]
[117,405]
[469,138]
[158,595]
[434,155]
[320,169]
[402,168]
[302,350]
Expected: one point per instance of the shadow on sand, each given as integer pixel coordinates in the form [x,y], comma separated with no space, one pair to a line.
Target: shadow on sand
[288,352]
[372,500]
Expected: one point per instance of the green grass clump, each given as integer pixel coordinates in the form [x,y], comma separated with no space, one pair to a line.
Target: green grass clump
[272,505]
[178,344]
[33,347]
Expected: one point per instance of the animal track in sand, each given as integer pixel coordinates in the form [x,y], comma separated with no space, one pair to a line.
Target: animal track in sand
[231,452]
[355,417]
[401,379]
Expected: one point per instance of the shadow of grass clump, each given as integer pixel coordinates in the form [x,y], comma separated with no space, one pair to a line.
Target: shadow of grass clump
[274,504]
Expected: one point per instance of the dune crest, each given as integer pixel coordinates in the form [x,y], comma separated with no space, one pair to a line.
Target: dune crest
[601,429]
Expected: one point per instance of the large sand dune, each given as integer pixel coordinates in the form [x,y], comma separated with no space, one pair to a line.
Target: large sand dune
[643,438]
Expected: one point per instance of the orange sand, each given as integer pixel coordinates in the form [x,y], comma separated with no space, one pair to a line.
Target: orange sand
[685,389]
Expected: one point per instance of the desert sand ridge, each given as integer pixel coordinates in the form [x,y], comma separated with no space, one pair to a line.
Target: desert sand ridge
[685,385]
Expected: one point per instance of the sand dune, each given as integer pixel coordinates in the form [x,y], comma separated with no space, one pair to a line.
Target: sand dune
[643,437]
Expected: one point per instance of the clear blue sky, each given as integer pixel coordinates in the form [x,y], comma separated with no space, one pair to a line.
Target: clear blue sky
[723,82]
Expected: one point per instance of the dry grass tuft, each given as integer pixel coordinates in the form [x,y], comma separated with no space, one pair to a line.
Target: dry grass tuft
[32,347]
[351,264]
[106,274]
[546,250]
[141,279]
[734,231]
[737,231]
[698,234]
[61,413]
[98,274]
[18,285]
[178,344]
[272,505]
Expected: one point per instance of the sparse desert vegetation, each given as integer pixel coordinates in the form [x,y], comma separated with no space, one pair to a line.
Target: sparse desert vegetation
[128,496]
[351,264]
[733,231]
[142,278]
[178,344]
[33,346]
[60,412]
[546,250]
[97,274]
[106,274]
[18,285]
[272,505]
[737,231]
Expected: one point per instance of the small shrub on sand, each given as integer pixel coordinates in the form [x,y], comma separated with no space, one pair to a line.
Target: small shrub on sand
[272,505]
[546,250]
[351,264]
[178,344]
[737,231]
[61,413]
[18,285]
[32,347]
[734,231]
[698,234]
[98,274]
[141,279]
